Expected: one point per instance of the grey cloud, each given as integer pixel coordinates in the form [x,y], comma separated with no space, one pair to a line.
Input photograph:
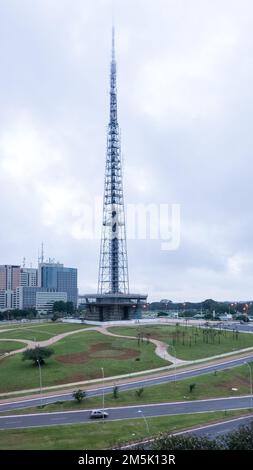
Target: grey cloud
[185,105]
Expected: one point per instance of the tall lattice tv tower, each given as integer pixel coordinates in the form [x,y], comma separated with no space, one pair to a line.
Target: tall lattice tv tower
[113,267]
[113,300]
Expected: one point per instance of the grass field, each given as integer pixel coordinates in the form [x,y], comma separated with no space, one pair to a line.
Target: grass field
[8,326]
[40,332]
[79,357]
[7,346]
[29,324]
[19,324]
[190,343]
[213,385]
[102,435]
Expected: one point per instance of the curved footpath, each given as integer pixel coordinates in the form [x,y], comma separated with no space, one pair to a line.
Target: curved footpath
[160,350]
[218,362]
[47,342]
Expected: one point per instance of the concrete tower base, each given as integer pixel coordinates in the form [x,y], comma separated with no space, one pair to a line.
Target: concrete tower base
[114,307]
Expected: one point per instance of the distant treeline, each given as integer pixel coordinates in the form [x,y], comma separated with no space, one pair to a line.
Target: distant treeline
[206,307]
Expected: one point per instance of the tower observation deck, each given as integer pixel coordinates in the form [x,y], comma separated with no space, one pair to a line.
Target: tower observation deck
[113,300]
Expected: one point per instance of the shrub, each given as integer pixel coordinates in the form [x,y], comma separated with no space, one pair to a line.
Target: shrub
[139,392]
[79,395]
[192,387]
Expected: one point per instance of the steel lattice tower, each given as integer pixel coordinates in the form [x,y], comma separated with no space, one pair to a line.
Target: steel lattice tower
[113,264]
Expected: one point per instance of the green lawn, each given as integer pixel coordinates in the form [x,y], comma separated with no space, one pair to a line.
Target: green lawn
[42,331]
[190,343]
[102,435]
[6,346]
[79,357]
[28,324]
[12,325]
[213,385]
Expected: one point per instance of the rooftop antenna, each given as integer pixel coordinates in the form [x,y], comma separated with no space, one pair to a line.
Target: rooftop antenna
[24,262]
[113,31]
[42,253]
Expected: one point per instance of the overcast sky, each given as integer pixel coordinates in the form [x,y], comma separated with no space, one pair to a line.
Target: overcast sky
[185,74]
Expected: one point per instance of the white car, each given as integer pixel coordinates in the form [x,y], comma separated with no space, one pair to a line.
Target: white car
[95,414]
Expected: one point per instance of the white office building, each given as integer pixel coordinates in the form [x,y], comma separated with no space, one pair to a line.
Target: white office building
[46,300]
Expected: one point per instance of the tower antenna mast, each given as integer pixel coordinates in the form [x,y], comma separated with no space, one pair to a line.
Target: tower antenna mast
[113,265]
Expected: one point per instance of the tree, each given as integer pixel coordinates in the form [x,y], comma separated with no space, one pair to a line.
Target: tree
[17,314]
[242,439]
[37,355]
[69,308]
[115,391]
[63,307]
[242,318]
[169,442]
[191,387]
[59,306]
[79,395]
[139,392]
[56,316]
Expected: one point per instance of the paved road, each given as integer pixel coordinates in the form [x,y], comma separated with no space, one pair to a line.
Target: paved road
[211,431]
[24,403]
[163,409]
[215,430]
[245,327]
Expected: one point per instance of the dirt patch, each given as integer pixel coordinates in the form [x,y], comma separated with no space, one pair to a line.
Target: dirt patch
[77,358]
[73,378]
[238,382]
[79,377]
[103,350]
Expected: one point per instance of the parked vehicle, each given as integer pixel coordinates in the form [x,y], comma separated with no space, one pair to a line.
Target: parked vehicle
[95,414]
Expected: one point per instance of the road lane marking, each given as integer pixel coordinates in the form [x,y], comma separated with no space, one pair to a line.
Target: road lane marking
[205,367]
[170,404]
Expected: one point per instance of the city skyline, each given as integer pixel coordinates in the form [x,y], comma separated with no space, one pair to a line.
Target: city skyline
[185,108]
[33,288]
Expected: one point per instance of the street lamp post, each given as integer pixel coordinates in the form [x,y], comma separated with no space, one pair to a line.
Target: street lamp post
[144,417]
[103,396]
[40,382]
[250,375]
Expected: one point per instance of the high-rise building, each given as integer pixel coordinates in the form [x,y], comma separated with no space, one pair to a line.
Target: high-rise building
[9,276]
[113,300]
[19,286]
[67,282]
[56,277]
[25,297]
[9,281]
[29,277]
[48,274]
